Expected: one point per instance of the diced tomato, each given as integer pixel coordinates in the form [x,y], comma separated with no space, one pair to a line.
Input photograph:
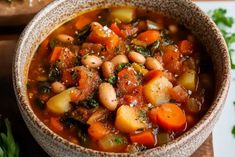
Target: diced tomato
[87,82]
[128,30]
[55,124]
[127,80]
[185,47]
[104,36]
[172,61]
[179,94]
[135,98]
[114,27]
[67,77]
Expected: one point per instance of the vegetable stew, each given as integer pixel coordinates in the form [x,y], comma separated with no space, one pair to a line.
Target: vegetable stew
[120,80]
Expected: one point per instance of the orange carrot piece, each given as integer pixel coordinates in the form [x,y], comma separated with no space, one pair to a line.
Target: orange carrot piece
[44,46]
[97,130]
[168,116]
[55,54]
[152,74]
[114,27]
[55,124]
[82,21]
[149,36]
[185,47]
[145,138]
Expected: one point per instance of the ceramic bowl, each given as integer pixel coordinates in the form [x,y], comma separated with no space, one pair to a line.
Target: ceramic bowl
[183,11]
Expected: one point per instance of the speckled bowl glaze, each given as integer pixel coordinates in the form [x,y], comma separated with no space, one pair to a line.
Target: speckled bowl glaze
[183,11]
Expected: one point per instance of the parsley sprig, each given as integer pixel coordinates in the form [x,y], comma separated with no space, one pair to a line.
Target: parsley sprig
[8,147]
[225,23]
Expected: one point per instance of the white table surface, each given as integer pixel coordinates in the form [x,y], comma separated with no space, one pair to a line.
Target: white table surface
[223,140]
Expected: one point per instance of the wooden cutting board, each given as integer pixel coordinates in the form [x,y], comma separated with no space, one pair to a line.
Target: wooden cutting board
[8,108]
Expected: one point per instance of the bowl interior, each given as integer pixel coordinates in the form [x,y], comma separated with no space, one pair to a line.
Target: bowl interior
[183,11]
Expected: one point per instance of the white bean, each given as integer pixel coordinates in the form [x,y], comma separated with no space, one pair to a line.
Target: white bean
[57,87]
[65,38]
[136,57]
[107,96]
[119,59]
[173,28]
[153,64]
[91,61]
[107,69]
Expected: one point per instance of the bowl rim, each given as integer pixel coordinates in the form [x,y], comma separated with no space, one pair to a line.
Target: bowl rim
[23,103]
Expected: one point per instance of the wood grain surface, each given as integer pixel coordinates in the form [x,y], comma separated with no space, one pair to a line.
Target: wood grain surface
[8,107]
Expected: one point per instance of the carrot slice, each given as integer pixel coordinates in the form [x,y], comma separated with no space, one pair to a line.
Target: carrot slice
[55,124]
[145,138]
[97,130]
[185,47]
[149,36]
[43,47]
[55,54]
[168,116]
[114,27]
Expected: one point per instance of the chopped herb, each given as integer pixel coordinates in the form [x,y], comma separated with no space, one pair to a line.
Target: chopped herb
[233,130]
[225,23]
[43,87]
[54,72]
[112,79]
[8,146]
[126,76]
[83,34]
[122,65]
[166,39]
[39,103]
[92,102]
[83,137]
[154,47]
[74,75]
[53,43]
[142,50]
[119,140]
[234,103]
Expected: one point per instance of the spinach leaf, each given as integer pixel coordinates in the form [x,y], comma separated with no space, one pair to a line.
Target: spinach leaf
[83,34]
[43,87]
[112,79]
[54,72]
[142,50]
[39,103]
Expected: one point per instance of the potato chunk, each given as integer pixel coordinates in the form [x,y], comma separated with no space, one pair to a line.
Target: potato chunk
[123,14]
[156,90]
[60,103]
[127,119]
[188,80]
[113,143]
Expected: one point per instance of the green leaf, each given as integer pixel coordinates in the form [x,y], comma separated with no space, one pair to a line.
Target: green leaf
[233,131]
[225,23]
[8,147]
